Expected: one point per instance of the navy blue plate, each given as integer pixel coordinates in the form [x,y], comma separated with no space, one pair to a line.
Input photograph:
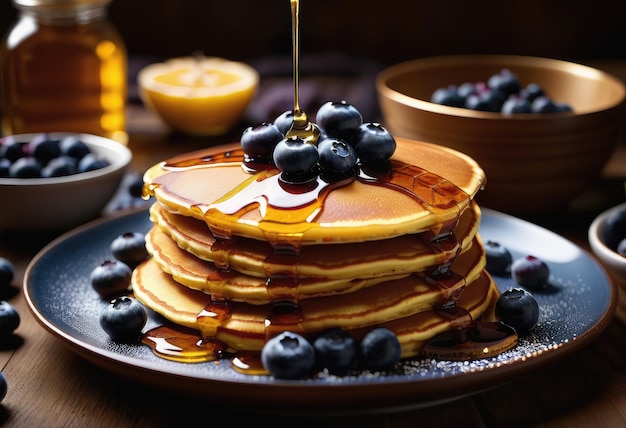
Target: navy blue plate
[575,309]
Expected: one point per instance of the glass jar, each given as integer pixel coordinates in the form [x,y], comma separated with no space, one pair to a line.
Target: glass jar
[64,68]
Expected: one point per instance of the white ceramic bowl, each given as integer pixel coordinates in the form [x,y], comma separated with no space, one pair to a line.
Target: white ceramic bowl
[61,203]
[615,263]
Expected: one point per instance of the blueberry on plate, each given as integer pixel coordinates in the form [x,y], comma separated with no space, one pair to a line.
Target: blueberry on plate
[518,308]
[339,120]
[288,356]
[380,349]
[4,386]
[129,248]
[111,278]
[123,319]
[373,143]
[499,258]
[296,159]
[135,188]
[9,319]
[336,350]
[7,272]
[530,272]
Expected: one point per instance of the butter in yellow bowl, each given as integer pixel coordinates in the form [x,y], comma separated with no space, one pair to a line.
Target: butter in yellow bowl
[198,95]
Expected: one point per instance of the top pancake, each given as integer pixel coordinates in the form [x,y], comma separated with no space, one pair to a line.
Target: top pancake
[429,188]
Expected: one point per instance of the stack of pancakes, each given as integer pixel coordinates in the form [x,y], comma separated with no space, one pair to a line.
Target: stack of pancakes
[239,255]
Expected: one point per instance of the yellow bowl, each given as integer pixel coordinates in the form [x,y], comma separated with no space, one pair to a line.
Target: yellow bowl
[198,96]
[534,162]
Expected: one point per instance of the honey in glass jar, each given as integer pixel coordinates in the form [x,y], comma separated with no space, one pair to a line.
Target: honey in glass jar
[64,68]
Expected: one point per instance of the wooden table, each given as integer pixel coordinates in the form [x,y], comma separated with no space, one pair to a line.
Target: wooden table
[50,386]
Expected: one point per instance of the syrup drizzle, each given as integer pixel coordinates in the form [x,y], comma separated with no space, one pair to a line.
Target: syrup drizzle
[301,126]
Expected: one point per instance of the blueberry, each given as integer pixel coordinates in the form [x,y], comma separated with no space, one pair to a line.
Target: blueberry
[336,350]
[4,386]
[339,120]
[380,349]
[258,142]
[59,167]
[336,157]
[621,247]
[288,356]
[111,278]
[284,121]
[485,100]
[465,90]
[9,319]
[530,272]
[448,96]
[296,159]
[5,167]
[544,104]
[563,107]
[135,188]
[516,104]
[532,91]
[373,143]
[92,162]
[518,308]
[25,167]
[123,319]
[11,149]
[614,229]
[7,272]
[129,248]
[42,148]
[504,82]
[499,258]
[74,147]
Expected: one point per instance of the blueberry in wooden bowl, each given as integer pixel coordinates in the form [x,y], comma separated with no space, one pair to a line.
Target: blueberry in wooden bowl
[541,128]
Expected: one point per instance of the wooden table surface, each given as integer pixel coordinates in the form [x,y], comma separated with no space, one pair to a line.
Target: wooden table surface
[51,386]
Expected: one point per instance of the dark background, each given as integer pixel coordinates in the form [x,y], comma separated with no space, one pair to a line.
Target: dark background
[384,30]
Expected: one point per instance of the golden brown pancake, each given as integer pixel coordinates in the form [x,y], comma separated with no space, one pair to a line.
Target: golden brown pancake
[244,327]
[212,186]
[400,255]
[204,276]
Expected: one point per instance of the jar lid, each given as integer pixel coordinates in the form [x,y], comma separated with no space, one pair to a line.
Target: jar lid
[59,5]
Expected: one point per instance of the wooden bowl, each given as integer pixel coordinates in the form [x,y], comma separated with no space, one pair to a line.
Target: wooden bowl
[534,163]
